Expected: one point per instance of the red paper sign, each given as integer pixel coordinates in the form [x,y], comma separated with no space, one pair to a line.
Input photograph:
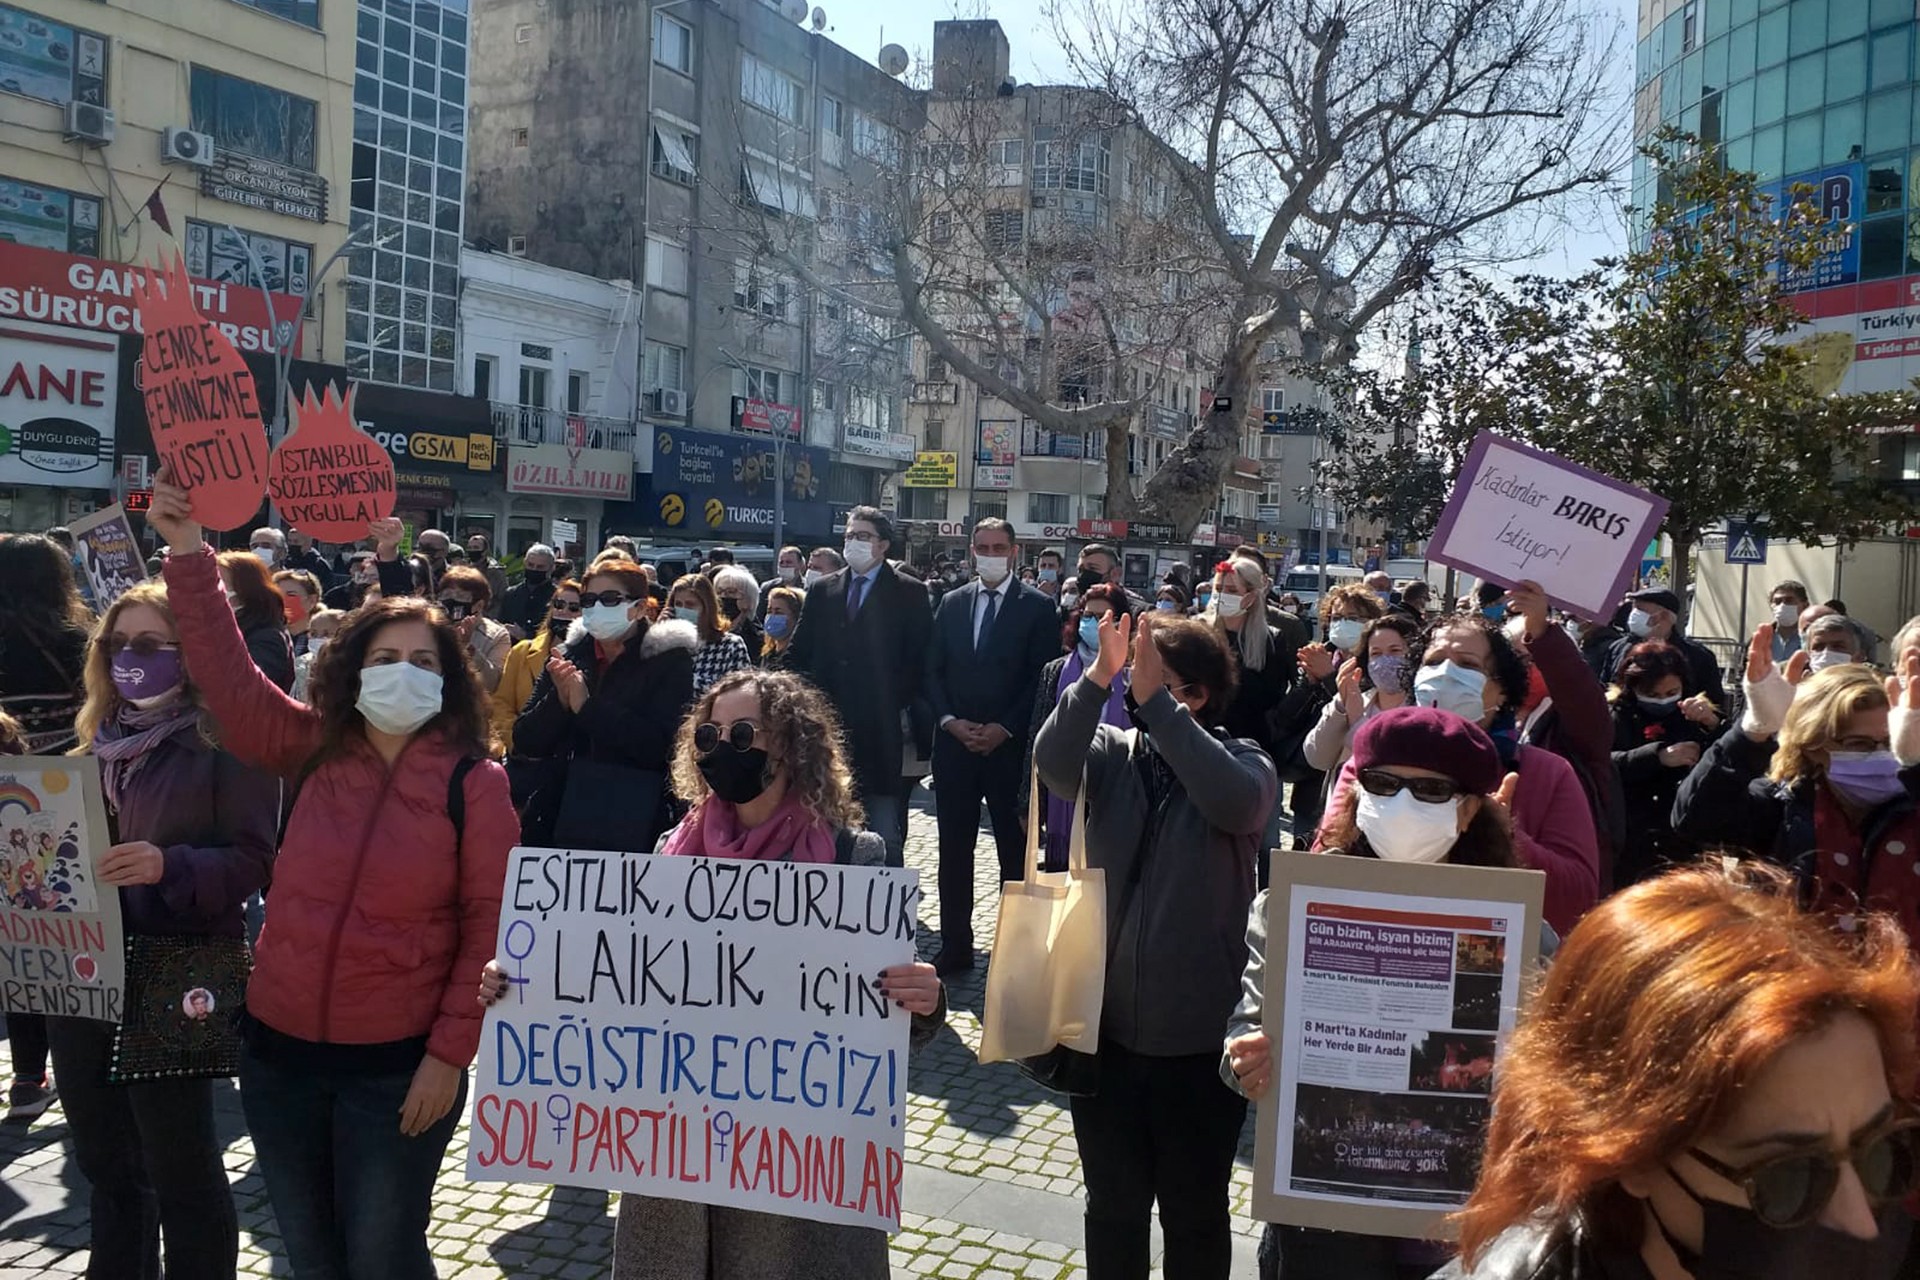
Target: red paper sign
[329,478]
[201,402]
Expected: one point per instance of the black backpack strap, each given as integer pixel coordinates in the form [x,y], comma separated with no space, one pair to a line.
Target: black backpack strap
[292,797]
[457,797]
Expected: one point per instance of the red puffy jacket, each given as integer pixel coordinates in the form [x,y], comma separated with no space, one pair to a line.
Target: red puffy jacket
[378,925]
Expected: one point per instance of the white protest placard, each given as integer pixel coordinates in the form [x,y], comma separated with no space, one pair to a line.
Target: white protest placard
[1390,986]
[564,533]
[1520,513]
[110,554]
[704,1029]
[61,948]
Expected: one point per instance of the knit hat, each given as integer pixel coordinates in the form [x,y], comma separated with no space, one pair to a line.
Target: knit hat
[1429,738]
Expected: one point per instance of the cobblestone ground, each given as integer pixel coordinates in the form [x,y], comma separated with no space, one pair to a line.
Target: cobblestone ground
[991,1167]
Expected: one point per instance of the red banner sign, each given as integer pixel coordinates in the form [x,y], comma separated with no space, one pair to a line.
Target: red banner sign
[1103,528]
[329,478]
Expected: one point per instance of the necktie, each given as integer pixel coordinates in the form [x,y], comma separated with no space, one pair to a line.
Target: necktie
[854,589]
[986,620]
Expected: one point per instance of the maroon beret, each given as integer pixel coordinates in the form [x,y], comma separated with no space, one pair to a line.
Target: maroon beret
[1429,738]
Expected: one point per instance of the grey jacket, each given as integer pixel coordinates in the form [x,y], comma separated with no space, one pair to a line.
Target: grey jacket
[657,1239]
[1175,958]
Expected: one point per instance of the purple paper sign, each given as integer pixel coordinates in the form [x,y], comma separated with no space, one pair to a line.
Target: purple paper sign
[1520,513]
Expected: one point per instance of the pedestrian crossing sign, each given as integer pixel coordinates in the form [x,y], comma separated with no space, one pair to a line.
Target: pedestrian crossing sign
[1746,543]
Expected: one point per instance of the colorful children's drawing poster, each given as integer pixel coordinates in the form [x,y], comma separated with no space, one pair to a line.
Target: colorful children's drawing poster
[60,939]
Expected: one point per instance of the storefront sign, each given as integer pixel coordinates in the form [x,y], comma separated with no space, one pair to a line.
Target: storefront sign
[61,948]
[1204,534]
[933,471]
[1166,424]
[58,390]
[705,482]
[1837,196]
[992,476]
[86,293]
[568,472]
[328,478]
[767,417]
[265,184]
[856,438]
[1146,531]
[1046,532]
[999,441]
[1108,530]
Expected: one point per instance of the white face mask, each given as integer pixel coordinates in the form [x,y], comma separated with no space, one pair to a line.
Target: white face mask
[860,555]
[1228,606]
[1786,614]
[1403,829]
[1344,633]
[1452,687]
[788,573]
[1821,659]
[811,576]
[316,644]
[992,569]
[267,556]
[1572,629]
[607,621]
[1640,622]
[398,697]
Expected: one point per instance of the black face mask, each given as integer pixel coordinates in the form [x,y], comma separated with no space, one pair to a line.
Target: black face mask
[1091,578]
[537,577]
[559,623]
[1736,1245]
[729,607]
[736,776]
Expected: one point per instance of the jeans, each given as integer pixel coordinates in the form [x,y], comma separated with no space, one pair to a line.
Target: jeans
[27,1046]
[1160,1130]
[150,1152]
[351,1192]
[961,780]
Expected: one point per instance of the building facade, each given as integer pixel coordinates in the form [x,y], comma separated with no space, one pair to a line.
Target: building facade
[223,120]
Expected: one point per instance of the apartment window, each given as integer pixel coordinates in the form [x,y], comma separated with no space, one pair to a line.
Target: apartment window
[771,90]
[940,229]
[936,369]
[1071,165]
[522,137]
[50,61]
[823,391]
[664,367]
[516,246]
[863,406]
[253,118]
[672,43]
[876,141]
[533,386]
[221,253]
[666,265]
[777,189]
[762,384]
[1048,508]
[485,370]
[936,432]
[771,296]
[1006,162]
[1273,400]
[1006,229]
[576,392]
[673,153]
[833,130]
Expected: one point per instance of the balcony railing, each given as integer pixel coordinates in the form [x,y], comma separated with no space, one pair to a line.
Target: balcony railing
[530,425]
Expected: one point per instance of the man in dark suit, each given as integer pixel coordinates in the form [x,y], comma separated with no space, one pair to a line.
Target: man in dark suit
[990,639]
[862,639]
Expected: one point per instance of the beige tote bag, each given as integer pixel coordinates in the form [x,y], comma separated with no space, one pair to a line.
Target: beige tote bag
[1048,974]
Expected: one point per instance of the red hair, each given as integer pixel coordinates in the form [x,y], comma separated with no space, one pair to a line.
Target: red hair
[1664,1002]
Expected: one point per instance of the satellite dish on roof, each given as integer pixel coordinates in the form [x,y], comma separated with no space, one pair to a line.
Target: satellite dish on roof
[893,59]
[794,10]
[819,19]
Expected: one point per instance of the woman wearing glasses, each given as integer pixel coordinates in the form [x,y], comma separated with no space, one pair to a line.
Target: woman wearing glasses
[1430,788]
[195,831]
[605,709]
[1709,1084]
[763,762]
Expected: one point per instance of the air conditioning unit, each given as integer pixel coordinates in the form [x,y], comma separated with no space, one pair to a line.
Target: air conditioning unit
[670,403]
[89,122]
[184,146]
[1039,202]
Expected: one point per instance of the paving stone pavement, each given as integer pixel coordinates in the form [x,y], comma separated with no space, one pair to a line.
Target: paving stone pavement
[992,1180]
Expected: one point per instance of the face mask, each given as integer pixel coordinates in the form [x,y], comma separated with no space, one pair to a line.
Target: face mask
[399,697]
[736,776]
[1658,707]
[1572,629]
[296,608]
[1090,634]
[1090,577]
[1736,1245]
[1068,599]
[729,607]
[812,576]
[316,644]
[1640,622]
[687,615]
[538,577]
[267,556]
[1204,598]
[144,681]
[1821,659]
[607,621]
[776,624]
[1865,777]
[992,569]
[1166,606]
[456,609]
[1452,687]
[1786,615]
[366,577]
[1494,613]
[1388,672]
[1403,829]
[788,573]
[1344,633]
[1228,606]
[1049,575]
[860,555]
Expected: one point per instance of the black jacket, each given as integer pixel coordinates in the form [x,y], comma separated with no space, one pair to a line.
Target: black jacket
[42,685]
[1547,1251]
[272,651]
[994,684]
[871,667]
[314,563]
[633,707]
[1260,692]
[525,606]
[1650,788]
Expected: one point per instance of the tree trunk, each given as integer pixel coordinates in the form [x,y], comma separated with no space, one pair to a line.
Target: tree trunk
[1679,574]
[1120,503]
[1188,483]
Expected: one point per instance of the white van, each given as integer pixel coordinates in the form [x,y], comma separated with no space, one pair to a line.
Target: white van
[1303,581]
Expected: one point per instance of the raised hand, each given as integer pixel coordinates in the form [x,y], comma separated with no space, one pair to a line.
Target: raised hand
[1760,653]
[1116,635]
[171,515]
[1149,672]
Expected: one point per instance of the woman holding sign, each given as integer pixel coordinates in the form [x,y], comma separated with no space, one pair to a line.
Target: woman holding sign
[195,832]
[1707,1085]
[357,1032]
[763,762]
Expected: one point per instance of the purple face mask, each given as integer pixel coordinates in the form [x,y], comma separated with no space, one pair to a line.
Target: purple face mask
[140,679]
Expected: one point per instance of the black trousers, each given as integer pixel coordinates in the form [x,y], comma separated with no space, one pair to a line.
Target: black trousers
[961,780]
[153,1158]
[1160,1130]
[1302,1253]
[27,1046]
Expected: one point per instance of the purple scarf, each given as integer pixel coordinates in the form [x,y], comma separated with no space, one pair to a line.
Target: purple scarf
[1059,810]
[126,742]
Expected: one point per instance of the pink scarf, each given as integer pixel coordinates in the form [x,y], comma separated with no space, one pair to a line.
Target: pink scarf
[713,829]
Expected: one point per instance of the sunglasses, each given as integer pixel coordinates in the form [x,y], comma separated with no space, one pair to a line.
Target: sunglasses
[457,608]
[1379,782]
[740,735]
[140,646]
[566,606]
[612,599]
[1792,1190]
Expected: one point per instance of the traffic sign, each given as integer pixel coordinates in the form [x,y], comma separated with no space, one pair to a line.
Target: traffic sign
[1746,543]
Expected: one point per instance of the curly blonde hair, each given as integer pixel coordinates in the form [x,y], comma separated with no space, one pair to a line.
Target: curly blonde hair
[802,734]
[1822,705]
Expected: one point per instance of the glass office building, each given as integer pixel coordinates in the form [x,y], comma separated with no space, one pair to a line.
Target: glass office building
[409,185]
[1820,92]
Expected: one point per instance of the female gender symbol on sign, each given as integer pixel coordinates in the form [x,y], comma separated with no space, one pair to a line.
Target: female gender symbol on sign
[559,1107]
[519,945]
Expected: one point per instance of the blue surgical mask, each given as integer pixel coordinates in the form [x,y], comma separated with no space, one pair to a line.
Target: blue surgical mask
[1452,687]
[1344,633]
[1640,623]
[1090,634]
[687,615]
[1494,613]
[776,624]
[1165,606]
